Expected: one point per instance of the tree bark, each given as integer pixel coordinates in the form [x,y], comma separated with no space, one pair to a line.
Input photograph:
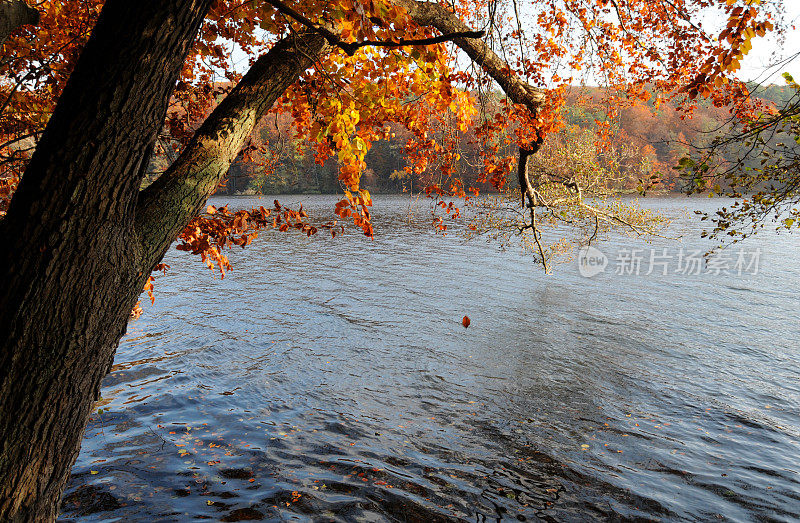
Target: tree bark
[70,266]
[14,14]
[178,195]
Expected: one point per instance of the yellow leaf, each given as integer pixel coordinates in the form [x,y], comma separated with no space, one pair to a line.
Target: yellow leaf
[366,198]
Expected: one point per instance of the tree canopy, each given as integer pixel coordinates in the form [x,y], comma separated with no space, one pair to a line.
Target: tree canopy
[389,64]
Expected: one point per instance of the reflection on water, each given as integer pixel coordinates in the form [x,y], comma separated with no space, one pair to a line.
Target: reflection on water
[332,380]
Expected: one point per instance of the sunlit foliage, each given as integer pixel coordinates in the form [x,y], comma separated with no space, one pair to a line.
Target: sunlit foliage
[579,181]
[397,63]
[757,162]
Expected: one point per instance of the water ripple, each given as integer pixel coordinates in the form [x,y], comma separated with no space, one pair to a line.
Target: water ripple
[331,380]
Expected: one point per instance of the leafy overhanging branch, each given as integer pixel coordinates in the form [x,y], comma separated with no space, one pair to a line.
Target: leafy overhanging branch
[165,207]
[351,47]
[517,90]
[180,193]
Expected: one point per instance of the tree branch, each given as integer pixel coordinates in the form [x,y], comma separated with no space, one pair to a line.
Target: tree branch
[351,47]
[431,14]
[518,91]
[179,194]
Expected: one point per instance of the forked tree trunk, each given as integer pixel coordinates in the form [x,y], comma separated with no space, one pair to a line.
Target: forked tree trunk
[70,263]
[96,258]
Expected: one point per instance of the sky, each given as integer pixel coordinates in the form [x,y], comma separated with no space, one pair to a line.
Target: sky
[759,65]
[766,61]
[756,65]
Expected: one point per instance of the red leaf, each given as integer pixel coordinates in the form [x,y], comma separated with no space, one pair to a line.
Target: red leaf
[465,322]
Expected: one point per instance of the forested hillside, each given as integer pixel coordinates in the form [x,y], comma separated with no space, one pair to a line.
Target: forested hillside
[648,139]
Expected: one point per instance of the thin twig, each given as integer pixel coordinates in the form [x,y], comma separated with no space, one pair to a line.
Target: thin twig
[351,47]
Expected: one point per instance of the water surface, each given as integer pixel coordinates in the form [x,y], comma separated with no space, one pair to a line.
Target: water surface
[332,380]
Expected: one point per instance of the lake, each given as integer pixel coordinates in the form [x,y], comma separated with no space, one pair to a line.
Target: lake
[331,379]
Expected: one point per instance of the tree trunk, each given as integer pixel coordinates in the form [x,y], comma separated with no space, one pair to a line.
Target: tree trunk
[13,14]
[70,266]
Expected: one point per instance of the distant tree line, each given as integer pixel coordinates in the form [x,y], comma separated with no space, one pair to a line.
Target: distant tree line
[651,139]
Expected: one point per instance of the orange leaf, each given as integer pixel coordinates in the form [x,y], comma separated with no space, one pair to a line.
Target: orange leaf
[465,322]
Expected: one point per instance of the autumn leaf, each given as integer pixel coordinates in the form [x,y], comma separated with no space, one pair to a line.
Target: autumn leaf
[465,321]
